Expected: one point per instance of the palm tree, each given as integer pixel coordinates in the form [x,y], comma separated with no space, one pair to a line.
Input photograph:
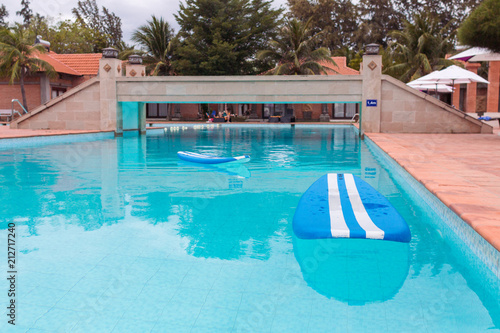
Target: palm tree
[419,49]
[294,51]
[19,59]
[155,39]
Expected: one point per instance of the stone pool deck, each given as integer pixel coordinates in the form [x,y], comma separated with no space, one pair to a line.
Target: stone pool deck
[462,170]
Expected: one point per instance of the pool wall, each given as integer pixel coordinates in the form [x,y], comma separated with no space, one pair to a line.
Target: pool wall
[472,244]
[35,141]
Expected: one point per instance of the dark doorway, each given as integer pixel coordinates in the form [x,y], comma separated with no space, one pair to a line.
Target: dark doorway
[156,110]
[344,110]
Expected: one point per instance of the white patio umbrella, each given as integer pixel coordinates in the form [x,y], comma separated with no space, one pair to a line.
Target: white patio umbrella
[430,87]
[452,75]
[422,84]
[469,54]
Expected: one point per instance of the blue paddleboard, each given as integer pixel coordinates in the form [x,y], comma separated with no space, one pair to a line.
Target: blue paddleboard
[345,206]
[210,159]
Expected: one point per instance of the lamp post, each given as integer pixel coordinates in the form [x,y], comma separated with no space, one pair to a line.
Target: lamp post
[135,59]
[372,49]
[110,52]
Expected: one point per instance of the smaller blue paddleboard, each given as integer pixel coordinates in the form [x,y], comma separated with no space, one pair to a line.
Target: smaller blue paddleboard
[345,206]
[210,159]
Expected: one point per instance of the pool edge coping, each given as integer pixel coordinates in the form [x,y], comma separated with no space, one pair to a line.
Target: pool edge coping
[475,241]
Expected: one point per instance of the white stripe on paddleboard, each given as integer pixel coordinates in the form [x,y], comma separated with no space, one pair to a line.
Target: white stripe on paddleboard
[338,227]
[187,153]
[364,220]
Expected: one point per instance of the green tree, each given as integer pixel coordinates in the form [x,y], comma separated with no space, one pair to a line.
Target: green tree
[39,25]
[112,27]
[105,29]
[222,37]
[419,49]
[482,27]
[295,51]
[154,38]
[18,58]
[336,19]
[446,12]
[3,16]
[26,13]
[378,18]
[125,50]
[346,52]
[67,37]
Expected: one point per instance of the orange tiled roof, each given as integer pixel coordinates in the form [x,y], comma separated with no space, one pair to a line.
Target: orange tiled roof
[84,63]
[340,69]
[58,66]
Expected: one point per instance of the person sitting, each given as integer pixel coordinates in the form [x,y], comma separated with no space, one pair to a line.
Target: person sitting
[227,115]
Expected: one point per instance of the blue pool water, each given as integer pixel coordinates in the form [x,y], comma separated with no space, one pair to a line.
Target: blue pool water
[119,235]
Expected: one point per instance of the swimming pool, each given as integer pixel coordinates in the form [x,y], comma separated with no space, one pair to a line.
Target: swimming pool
[119,235]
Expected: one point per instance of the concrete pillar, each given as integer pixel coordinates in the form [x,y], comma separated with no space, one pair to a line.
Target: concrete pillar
[134,67]
[470,104]
[45,90]
[111,115]
[493,87]
[324,116]
[456,96]
[111,200]
[134,70]
[142,117]
[372,92]
[119,119]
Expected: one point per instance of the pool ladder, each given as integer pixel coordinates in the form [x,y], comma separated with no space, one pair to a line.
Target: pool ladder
[13,111]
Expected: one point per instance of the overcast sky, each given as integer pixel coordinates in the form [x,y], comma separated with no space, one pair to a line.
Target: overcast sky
[133,13]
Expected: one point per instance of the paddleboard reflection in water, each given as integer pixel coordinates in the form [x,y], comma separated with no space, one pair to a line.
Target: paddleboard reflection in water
[355,271]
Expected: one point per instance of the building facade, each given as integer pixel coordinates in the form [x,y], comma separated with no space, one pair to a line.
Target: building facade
[72,70]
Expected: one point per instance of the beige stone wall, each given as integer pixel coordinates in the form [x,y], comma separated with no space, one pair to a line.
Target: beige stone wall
[93,105]
[238,89]
[79,111]
[406,110]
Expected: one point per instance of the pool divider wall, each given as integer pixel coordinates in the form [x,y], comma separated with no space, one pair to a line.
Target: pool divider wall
[475,245]
[37,141]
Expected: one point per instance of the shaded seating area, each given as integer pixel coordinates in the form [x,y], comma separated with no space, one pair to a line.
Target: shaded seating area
[282,119]
[284,116]
[218,119]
